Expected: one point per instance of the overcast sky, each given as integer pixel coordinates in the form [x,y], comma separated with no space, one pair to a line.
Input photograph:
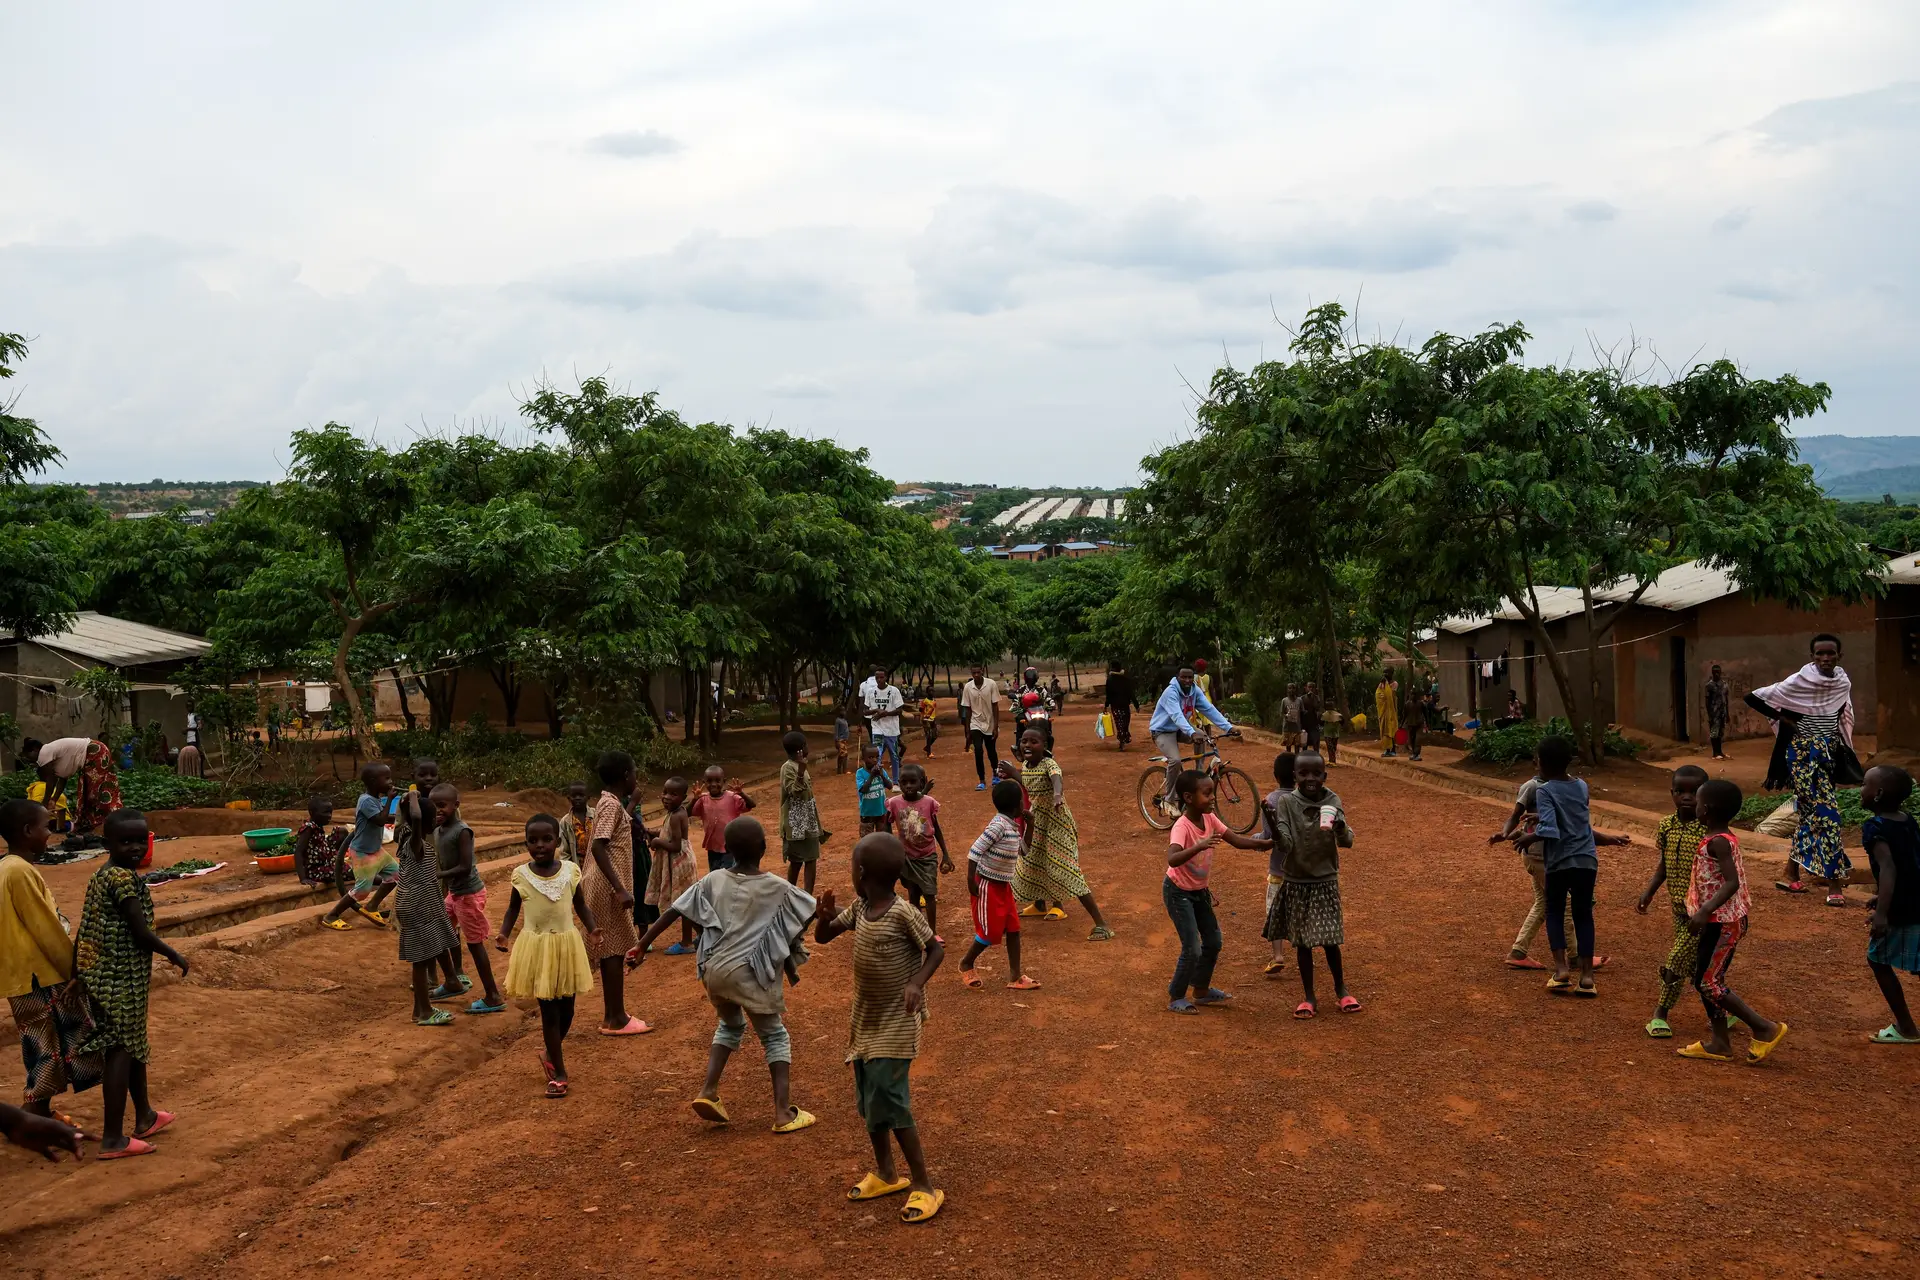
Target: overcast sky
[993,242]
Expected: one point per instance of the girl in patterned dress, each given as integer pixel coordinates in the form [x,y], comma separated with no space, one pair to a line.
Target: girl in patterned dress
[319,847]
[1717,910]
[608,891]
[1049,869]
[1813,712]
[113,956]
[672,873]
[426,934]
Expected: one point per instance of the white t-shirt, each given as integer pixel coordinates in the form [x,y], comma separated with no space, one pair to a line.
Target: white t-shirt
[885,707]
[980,701]
[866,691]
[66,755]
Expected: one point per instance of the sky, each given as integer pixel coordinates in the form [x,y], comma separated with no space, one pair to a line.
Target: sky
[996,242]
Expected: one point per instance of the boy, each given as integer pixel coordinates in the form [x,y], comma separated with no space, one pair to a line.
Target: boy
[929,719]
[1676,840]
[717,807]
[465,892]
[375,871]
[576,826]
[990,864]
[1330,735]
[1277,857]
[1893,934]
[752,927]
[36,965]
[915,816]
[1522,820]
[1290,719]
[1717,905]
[871,784]
[1568,848]
[894,954]
[842,737]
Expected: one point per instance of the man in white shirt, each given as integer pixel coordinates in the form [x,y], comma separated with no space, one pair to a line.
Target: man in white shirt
[883,722]
[980,712]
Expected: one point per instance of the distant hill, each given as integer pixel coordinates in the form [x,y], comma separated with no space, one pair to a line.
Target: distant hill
[1837,458]
[1901,482]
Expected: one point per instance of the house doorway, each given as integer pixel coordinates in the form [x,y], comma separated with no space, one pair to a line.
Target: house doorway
[1677,646]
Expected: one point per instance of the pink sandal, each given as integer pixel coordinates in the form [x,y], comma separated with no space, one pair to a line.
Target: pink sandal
[634,1027]
[1304,1010]
[1349,1005]
[134,1147]
[161,1119]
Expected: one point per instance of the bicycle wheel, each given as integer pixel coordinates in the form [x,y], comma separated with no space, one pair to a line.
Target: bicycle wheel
[1153,785]
[1235,800]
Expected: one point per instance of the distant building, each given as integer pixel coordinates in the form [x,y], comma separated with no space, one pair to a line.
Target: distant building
[34,677]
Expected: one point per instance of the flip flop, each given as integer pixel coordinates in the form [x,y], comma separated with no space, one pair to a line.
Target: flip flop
[161,1119]
[712,1110]
[1789,886]
[1559,986]
[1836,899]
[444,992]
[438,1018]
[1587,991]
[1523,962]
[466,983]
[378,917]
[1891,1035]
[922,1205]
[801,1120]
[1030,911]
[341,925]
[1304,1010]
[679,949]
[1214,995]
[1659,1029]
[1274,968]
[1100,932]
[134,1147]
[1024,984]
[481,1006]
[634,1027]
[1349,1005]
[1056,913]
[968,978]
[1183,1006]
[1757,1051]
[556,1088]
[1700,1051]
[873,1186]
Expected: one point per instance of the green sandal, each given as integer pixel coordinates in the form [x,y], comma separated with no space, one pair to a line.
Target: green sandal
[438,1018]
[1100,934]
[1659,1029]
[1891,1035]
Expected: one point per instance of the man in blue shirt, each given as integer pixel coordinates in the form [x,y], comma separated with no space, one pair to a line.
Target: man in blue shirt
[1173,718]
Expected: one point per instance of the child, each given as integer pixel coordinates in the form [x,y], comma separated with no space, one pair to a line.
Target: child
[718,804]
[1717,905]
[375,873]
[1330,734]
[549,959]
[113,958]
[1893,848]
[990,868]
[915,817]
[751,930]
[800,829]
[1049,869]
[609,892]
[1676,840]
[59,813]
[36,958]
[1309,831]
[1189,900]
[672,873]
[1523,819]
[841,738]
[427,935]
[870,783]
[465,893]
[319,848]
[929,721]
[1283,776]
[894,954]
[576,826]
[1564,830]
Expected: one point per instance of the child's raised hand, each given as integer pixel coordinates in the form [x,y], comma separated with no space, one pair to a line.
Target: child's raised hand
[1640,907]
[824,906]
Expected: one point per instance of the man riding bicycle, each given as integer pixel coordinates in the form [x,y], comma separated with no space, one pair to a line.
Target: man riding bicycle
[1173,721]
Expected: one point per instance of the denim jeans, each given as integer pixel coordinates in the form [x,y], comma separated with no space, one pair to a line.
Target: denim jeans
[732,1029]
[889,746]
[1191,911]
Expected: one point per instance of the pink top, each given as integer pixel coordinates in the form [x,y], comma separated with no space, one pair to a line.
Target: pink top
[1707,881]
[715,812]
[913,823]
[1192,874]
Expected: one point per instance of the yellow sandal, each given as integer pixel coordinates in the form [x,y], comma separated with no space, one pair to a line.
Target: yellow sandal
[922,1206]
[801,1119]
[873,1186]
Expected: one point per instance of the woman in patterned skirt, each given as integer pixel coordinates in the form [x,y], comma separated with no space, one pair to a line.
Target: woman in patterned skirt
[1049,868]
[1813,709]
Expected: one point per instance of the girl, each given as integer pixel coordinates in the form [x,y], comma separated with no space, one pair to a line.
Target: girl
[1189,900]
[1813,712]
[36,961]
[319,847]
[1309,830]
[929,719]
[609,893]
[800,829]
[1049,867]
[549,960]
[426,934]
[113,957]
[1893,847]
[672,873]
[1717,905]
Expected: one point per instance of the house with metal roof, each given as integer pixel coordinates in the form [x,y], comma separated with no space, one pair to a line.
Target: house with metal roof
[35,676]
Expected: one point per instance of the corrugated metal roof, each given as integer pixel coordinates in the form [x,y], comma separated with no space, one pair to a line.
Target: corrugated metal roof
[1681,587]
[1904,571]
[1555,604]
[119,643]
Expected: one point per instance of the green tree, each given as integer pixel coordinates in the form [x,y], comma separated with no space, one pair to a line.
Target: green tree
[43,579]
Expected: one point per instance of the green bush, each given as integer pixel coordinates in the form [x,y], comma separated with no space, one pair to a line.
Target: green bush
[1516,743]
[477,757]
[155,788]
[1759,805]
[1240,709]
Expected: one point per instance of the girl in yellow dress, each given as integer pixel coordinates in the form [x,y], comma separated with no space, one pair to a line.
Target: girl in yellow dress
[549,960]
[1049,867]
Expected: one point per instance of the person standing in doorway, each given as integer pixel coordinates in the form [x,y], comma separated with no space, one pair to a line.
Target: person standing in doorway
[980,712]
[883,720]
[1719,699]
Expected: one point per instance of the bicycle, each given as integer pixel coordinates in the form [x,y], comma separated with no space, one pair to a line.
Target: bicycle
[1236,801]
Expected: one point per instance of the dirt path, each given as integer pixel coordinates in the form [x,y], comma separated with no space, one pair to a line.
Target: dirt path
[1465,1124]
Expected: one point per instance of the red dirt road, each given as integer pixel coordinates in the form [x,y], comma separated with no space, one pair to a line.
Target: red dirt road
[1465,1124]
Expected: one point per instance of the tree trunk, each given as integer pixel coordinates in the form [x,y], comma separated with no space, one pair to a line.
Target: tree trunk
[647,704]
[506,678]
[406,707]
[1331,637]
[555,690]
[440,689]
[689,708]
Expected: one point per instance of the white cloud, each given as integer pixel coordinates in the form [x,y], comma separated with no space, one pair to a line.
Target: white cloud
[999,241]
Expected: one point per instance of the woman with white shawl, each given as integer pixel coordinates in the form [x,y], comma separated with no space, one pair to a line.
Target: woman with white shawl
[1813,714]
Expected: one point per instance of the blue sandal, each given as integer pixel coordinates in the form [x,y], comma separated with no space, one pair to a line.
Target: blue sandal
[1183,1006]
[481,1006]
[1214,995]
[679,949]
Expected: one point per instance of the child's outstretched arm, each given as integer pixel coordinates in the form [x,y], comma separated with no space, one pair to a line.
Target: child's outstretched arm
[1239,841]
[1654,882]
[1513,822]
[667,917]
[144,935]
[1179,855]
[507,921]
[826,925]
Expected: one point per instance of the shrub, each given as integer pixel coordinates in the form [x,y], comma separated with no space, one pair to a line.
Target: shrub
[483,757]
[1516,743]
[1759,805]
[155,788]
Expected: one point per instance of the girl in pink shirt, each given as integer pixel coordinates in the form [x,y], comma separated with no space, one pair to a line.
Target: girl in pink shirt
[1717,906]
[1189,900]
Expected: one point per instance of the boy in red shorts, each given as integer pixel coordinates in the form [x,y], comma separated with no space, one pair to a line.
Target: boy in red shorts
[990,866]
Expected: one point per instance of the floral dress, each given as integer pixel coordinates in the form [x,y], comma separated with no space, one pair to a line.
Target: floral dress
[323,852]
[1051,867]
[1817,846]
[117,970]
